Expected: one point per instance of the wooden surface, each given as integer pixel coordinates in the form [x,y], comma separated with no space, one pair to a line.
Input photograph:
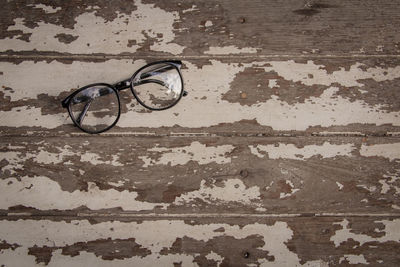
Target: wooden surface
[286,152]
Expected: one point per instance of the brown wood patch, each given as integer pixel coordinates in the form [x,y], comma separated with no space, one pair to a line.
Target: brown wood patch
[210,174]
[284,153]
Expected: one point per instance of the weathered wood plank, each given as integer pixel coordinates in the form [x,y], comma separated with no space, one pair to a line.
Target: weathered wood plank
[210,174]
[301,241]
[203,28]
[270,97]
[285,152]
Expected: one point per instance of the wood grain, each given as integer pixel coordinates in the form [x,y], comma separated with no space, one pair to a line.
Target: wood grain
[284,153]
[202,28]
[210,174]
[204,242]
[270,97]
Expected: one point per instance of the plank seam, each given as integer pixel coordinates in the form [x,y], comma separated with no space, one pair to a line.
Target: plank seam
[35,56]
[194,215]
[188,135]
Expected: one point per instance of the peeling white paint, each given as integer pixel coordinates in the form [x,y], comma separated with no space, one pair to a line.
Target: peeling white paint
[28,233]
[94,159]
[148,21]
[231,49]
[30,117]
[46,157]
[311,73]
[353,259]
[208,23]
[232,190]
[215,257]
[325,110]
[292,190]
[269,186]
[315,263]
[371,188]
[65,76]
[117,184]
[196,151]
[391,233]
[290,151]
[16,159]
[89,259]
[47,9]
[193,8]
[385,187]
[389,151]
[283,171]
[44,194]
[285,195]
[19,257]
[95,7]
[15,147]
[339,185]
[330,133]
[255,151]
[390,182]
[379,48]
[272,83]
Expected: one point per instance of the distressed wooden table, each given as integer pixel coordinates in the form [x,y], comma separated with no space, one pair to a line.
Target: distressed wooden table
[286,151]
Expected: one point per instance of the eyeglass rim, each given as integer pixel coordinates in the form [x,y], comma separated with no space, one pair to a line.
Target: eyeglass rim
[177,65]
[84,88]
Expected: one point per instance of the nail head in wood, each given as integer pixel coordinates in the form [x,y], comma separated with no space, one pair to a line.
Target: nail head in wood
[244,173]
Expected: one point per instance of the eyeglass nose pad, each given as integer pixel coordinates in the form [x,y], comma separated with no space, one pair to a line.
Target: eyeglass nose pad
[185,93]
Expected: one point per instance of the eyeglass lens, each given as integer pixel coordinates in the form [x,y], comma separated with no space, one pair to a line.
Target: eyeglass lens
[95,108]
[158,86]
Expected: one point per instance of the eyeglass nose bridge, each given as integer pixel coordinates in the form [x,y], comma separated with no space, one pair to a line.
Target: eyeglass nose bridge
[122,85]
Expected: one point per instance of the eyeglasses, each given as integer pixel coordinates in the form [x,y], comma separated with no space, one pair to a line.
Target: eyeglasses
[96,108]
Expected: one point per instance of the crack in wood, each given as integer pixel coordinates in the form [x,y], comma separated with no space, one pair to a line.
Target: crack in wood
[44,55]
[119,215]
[217,134]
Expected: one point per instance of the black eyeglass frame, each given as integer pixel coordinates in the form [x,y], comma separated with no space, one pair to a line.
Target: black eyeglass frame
[122,85]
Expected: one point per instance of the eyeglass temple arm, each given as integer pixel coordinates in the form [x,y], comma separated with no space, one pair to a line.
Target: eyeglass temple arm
[84,98]
[84,111]
[126,83]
